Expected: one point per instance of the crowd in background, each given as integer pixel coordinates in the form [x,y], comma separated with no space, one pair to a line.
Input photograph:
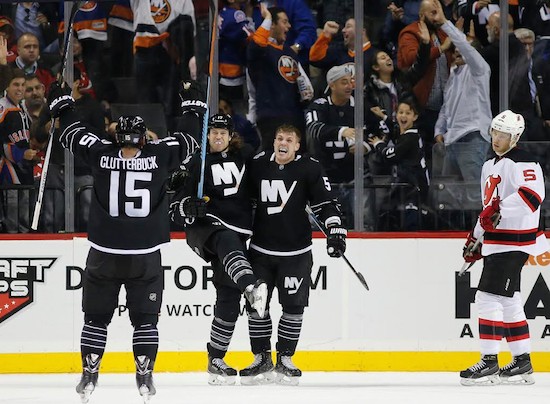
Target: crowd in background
[431,74]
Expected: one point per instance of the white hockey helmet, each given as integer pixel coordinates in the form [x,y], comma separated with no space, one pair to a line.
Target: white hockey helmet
[509,122]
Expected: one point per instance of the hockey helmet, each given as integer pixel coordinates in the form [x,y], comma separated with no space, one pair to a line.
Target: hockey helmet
[131,131]
[222,121]
[509,122]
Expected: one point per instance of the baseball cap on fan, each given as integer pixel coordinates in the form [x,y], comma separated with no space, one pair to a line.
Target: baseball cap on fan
[336,73]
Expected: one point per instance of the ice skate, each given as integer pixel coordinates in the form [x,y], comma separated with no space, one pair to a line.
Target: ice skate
[90,374]
[483,373]
[219,373]
[519,371]
[144,378]
[257,296]
[259,372]
[286,372]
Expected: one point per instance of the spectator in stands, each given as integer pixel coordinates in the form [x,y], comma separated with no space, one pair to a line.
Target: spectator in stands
[121,35]
[337,11]
[541,75]
[34,98]
[28,59]
[235,28]
[163,46]
[429,90]
[274,71]
[465,116]
[7,33]
[302,31]
[400,14]
[17,158]
[407,154]
[242,125]
[535,15]
[387,85]
[324,56]
[479,11]
[38,18]
[519,93]
[331,138]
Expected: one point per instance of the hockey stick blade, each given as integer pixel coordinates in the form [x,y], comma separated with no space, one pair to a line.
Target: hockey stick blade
[320,227]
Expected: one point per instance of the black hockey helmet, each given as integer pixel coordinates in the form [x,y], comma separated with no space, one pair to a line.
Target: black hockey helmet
[222,121]
[130,131]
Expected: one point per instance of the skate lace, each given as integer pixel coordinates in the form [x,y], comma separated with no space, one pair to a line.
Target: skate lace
[220,363]
[287,362]
[478,366]
[511,364]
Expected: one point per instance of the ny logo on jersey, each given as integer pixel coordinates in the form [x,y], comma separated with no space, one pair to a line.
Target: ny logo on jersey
[292,284]
[227,174]
[490,189]
[272,190]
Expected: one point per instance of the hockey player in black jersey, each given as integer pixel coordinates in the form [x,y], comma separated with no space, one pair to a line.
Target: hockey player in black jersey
[407,152]
[512,188]
[128,225]
[284,183]
[217,231]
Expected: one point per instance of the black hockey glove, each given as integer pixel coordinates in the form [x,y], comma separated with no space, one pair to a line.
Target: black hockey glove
[336,240]
[59,99]
[192,97]
[192,207]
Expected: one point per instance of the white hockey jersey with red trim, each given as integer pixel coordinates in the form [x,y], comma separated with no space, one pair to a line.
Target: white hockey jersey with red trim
[517,179]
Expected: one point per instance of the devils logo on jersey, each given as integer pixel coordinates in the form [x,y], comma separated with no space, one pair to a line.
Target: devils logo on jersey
[490,190]
[288,68]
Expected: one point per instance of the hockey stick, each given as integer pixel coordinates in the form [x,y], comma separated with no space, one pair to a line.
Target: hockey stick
[322,228]
[45,166]
[468,265]
[200,189]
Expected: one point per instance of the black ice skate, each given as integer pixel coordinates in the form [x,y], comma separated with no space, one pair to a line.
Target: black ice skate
[257,296]
[259,372]
[88,381]
[483,373]
[285,371]
[519,371]
[220,374]
[144,378]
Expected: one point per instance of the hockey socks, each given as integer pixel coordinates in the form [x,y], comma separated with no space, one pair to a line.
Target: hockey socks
[145,341]
[92,340]
[288,333]
[236,265]
[260,330]
[220,337]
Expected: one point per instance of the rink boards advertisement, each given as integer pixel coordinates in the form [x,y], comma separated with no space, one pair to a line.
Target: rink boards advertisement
[418,314]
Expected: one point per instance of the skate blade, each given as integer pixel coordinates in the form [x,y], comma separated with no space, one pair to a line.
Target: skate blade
[526,379]
[258,380]
[145,393]
[86,393]
[220,380]
[492,380]
[287,380]
[259,306]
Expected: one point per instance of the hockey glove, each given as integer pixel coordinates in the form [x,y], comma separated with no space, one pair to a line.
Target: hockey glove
[192,207]
[192,97]
[489,217]
[59,99]
[468,253]
[336,240]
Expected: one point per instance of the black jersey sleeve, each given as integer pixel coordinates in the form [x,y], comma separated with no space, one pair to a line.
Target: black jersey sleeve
[406,146]
[76,137]
[321,197]
[317,127]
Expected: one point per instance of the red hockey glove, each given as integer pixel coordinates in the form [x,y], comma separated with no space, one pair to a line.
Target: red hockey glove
[489,217]
[468,253]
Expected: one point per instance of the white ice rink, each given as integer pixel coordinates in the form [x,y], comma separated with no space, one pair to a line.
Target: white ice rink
[314,388]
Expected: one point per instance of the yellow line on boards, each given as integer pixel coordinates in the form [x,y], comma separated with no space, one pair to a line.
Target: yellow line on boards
[121,362]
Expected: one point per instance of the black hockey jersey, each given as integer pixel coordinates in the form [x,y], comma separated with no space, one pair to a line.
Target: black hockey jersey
[281,224]
[226,177]
[129,208]
[325,123]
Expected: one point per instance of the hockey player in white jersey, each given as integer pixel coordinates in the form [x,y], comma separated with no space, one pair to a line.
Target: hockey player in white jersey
[512,188]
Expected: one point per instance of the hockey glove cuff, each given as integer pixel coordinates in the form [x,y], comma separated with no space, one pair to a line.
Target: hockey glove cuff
[336,241]
[489,217]
[468,253]
[59,99]
[192,207]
